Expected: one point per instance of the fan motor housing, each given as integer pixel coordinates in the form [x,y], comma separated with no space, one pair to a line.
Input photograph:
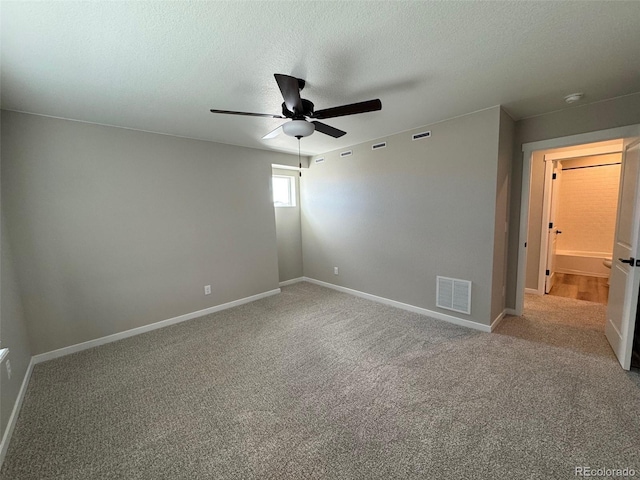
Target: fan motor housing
[307,110]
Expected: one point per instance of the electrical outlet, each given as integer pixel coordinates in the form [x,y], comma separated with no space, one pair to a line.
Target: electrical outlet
[335,270]
[207,289]
[8,362]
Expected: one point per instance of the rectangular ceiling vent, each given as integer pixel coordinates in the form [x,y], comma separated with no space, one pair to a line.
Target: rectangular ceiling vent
[347,153]
[319,160]
[453,294]
[377,146]
[418,136]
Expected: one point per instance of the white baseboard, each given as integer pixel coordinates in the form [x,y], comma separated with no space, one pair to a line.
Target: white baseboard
[292,281]
[43,357]
[11,424]
[404,306]
[585,273]
[615,340]
[533,291]
[497,320]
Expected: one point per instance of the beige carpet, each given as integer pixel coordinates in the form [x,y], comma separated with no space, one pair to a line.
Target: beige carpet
[561,322]
[314,383]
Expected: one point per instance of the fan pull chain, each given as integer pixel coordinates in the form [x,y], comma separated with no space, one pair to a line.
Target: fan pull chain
[299,161]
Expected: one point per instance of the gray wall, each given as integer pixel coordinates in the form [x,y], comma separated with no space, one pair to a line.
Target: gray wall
[501,234]
[536,204]
[393,219]
[288,233]
[613,113]
[13,332]
[13,329]
[114,229]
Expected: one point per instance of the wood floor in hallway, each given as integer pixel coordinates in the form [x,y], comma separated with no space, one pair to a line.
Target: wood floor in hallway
[581,287]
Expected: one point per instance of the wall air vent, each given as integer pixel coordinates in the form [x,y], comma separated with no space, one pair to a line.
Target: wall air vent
[418,136]
[453,294]
[377,146]
[347,153]
[319,160]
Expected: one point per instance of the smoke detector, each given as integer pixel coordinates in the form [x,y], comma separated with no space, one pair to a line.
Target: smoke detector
[574,97]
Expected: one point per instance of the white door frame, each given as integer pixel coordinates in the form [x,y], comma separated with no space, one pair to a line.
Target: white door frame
[527,152]
[544,228]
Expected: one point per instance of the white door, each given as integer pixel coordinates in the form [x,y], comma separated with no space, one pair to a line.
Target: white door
[553,232]
[625,268]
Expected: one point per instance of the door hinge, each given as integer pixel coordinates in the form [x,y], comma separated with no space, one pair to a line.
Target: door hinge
[554,176]
[525,244]
[547,273]
[550,224]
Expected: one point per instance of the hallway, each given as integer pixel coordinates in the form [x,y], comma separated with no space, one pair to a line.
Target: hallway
[581,287]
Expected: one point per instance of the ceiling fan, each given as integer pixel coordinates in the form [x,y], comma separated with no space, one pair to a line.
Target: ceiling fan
[300,110]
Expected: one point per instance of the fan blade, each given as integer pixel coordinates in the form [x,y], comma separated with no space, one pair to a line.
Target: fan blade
[231,112]
[290,89]
[352,109]
[328,130]
[273,133]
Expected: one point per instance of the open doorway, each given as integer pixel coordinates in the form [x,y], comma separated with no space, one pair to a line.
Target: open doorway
[573,207]
[544,260]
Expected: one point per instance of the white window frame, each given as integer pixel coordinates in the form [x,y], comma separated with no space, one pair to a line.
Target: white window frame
[292,191]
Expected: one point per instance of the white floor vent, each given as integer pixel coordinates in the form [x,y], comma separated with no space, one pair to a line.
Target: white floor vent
[453,294]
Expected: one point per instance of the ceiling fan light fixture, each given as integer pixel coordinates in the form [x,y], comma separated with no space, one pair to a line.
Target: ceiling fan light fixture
[298,128]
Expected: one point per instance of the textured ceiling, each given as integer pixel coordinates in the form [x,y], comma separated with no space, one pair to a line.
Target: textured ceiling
[160,66]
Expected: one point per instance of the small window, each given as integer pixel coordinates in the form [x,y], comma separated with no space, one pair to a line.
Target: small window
[284,191]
